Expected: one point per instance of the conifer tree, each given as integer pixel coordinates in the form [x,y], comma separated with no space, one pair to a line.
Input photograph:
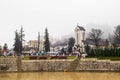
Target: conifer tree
[17,44]
[46,43]
[70,44]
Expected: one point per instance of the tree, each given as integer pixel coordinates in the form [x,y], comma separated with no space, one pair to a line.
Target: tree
[70,44]
[17,49]
[0,49]
[95,35]
[117,36]
[5,47]
[62,51]
[38,41]
[106,43]
[46,43]
[17,44]
[87,48]
[21,39]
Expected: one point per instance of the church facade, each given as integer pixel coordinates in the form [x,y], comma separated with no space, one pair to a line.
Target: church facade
[79,38]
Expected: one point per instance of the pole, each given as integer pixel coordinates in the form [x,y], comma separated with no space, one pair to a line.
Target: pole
[38,41]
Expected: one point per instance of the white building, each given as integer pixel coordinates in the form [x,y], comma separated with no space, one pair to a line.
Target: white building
[79,37]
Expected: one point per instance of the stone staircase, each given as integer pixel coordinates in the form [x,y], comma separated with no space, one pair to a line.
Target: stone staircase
[74,64]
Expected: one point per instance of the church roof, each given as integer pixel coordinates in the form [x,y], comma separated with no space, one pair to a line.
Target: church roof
[81,28]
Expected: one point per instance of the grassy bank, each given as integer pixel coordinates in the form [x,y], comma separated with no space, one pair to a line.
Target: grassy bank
[109,58]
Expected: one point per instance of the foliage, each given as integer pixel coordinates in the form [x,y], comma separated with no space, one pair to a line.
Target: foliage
[117,36]
[62,51]
[49,58]
[107,58]
[95,35]
[5,47]
[70,44]
[71,57]
[17,43]
[46,43]
[26,58]
[38,41]
[87,49]
[107,52]
[0,49]
[106,43]
[21,38]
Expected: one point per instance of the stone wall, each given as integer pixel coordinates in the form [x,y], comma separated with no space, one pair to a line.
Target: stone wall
[8,64]
[61,65]
[64,65]
[45,65]
[98,65]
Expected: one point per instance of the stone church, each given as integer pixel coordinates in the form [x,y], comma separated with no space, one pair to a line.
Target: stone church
[79,38]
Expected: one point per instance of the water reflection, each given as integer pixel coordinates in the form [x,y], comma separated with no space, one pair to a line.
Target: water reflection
[61,75]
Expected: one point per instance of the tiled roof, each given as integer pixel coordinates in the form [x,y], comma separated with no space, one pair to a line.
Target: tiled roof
[81,28]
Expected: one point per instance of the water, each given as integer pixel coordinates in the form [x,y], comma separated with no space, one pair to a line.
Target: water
[61,76]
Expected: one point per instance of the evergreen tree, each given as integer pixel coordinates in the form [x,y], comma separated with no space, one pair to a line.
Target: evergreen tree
[17,44]
[87,48]
[5,47]
[46,43]
[21,38]
[62,51]
[38,41]
[18,50]
[0,49]
[70,44]
[117,36]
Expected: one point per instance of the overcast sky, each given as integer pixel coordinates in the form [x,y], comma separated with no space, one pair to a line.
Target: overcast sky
[59,16]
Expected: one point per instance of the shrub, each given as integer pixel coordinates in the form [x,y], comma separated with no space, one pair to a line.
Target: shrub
[42,57]
[54,57]
[32,57]
[107,52]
